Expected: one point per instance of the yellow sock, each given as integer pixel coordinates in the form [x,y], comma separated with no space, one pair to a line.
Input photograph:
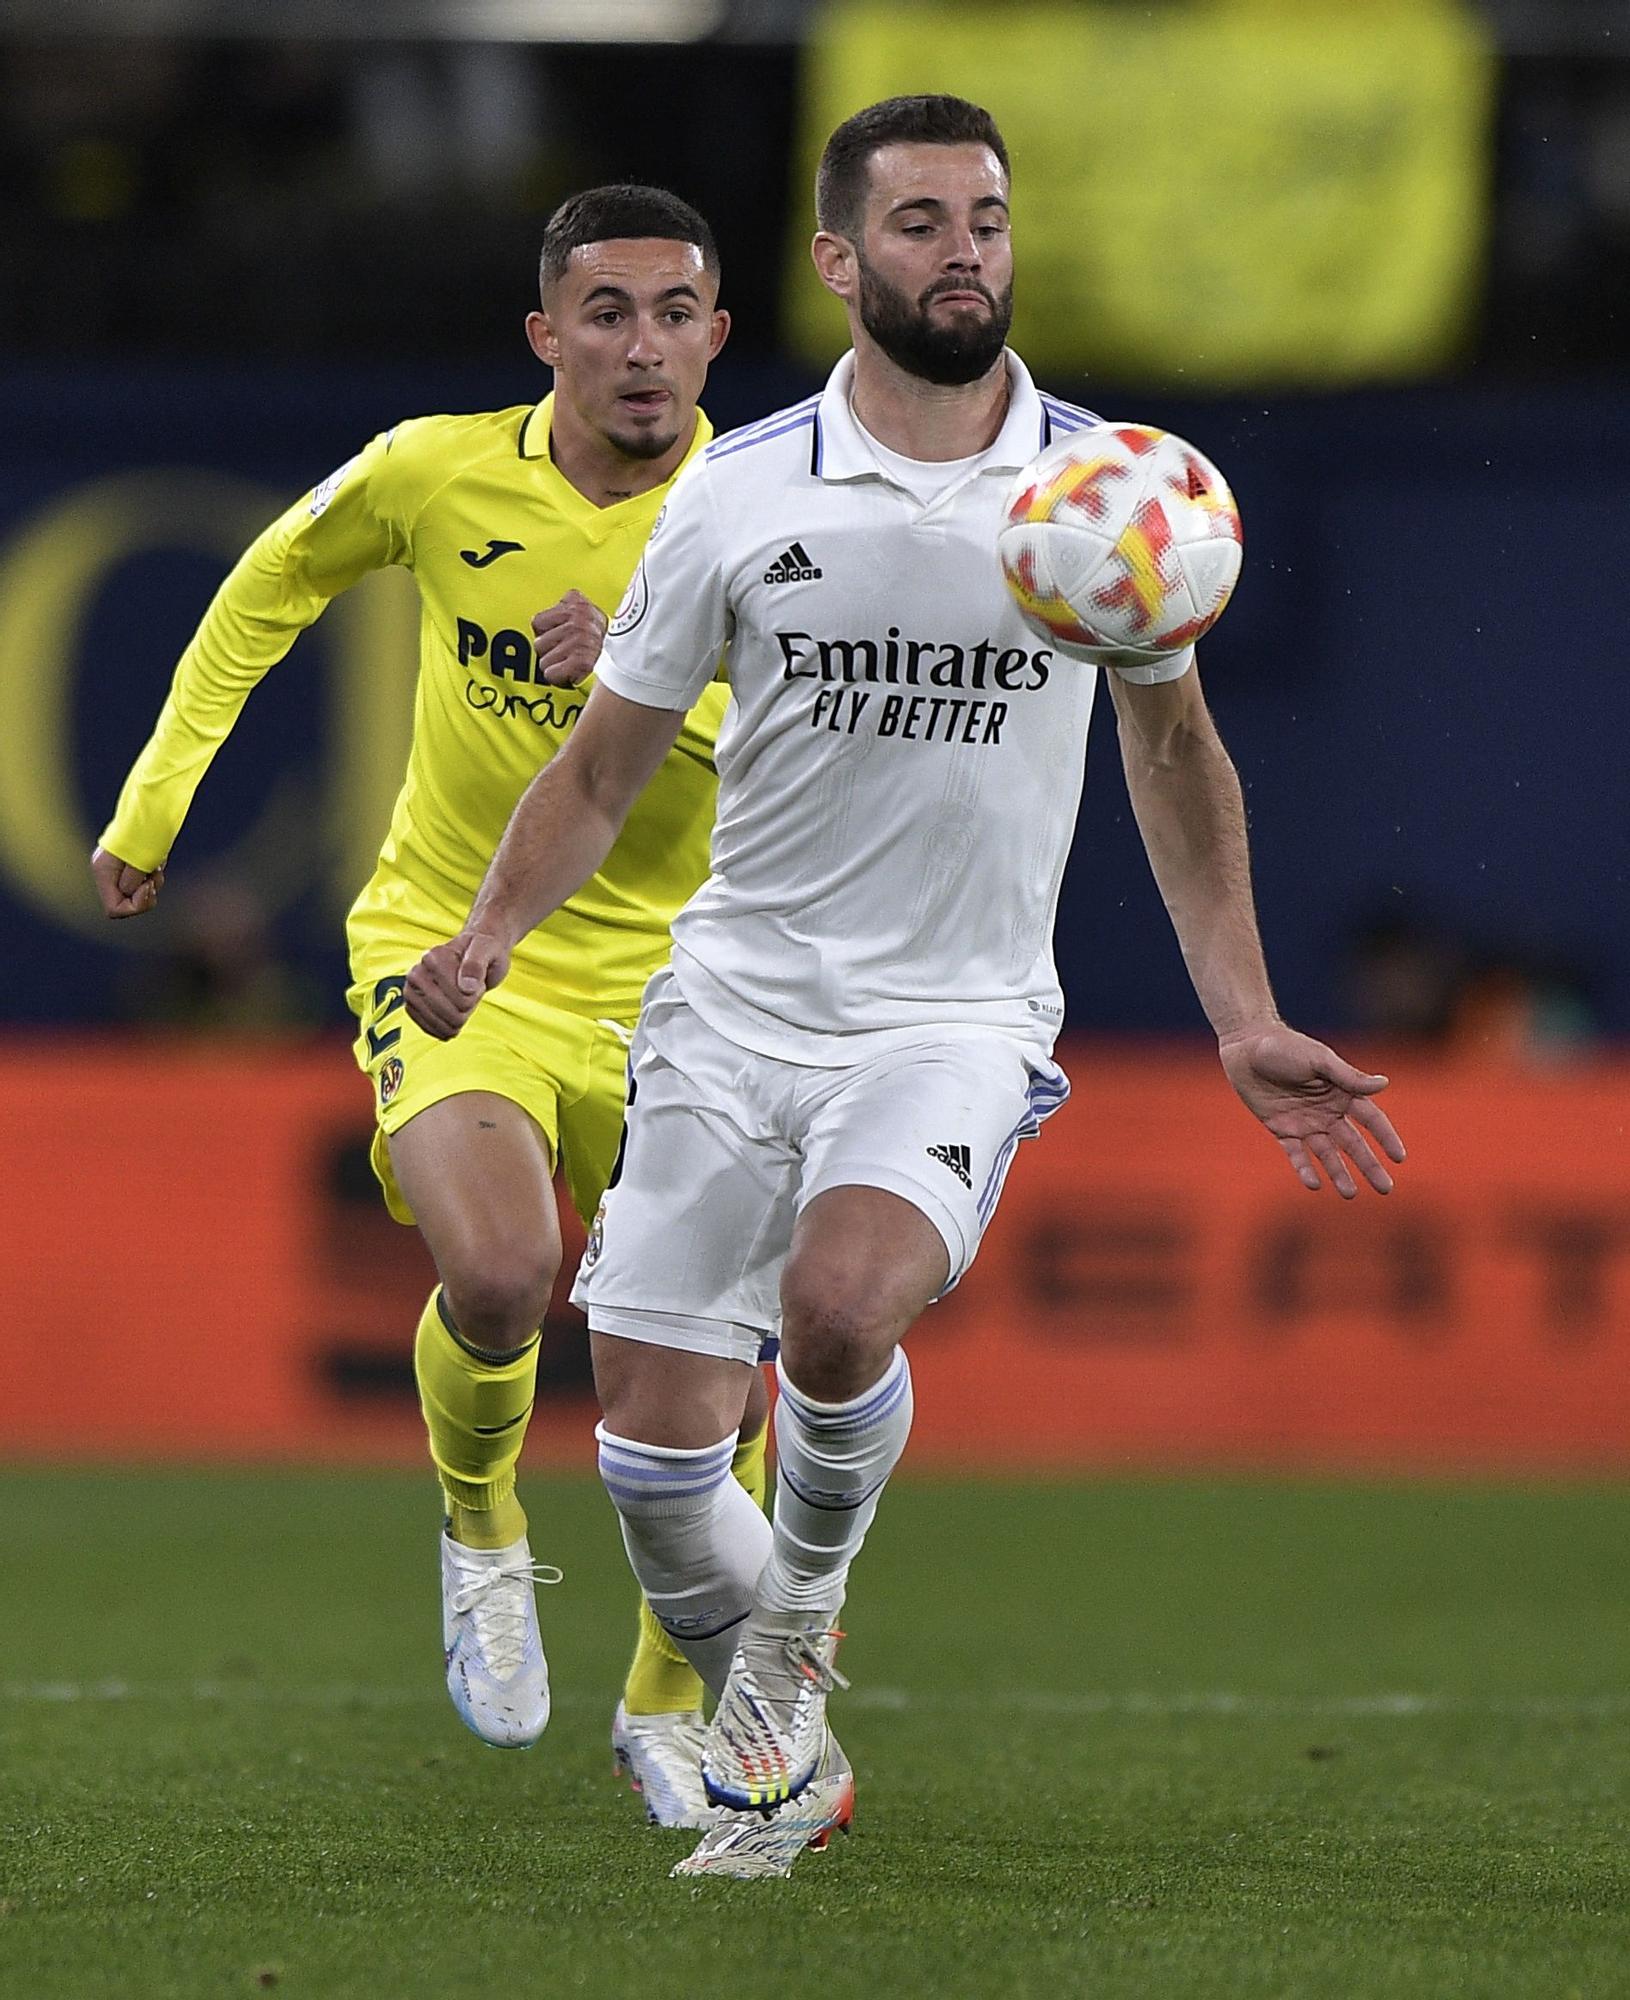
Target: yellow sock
[661,1681]
[475,1408]
[750,1463]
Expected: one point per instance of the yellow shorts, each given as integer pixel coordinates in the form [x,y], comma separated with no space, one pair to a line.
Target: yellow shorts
[566,1070]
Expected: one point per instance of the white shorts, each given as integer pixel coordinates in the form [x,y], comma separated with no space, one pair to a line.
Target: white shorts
[723,1148]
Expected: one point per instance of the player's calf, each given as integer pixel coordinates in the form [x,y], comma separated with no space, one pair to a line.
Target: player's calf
[695,1540]
[768,1732]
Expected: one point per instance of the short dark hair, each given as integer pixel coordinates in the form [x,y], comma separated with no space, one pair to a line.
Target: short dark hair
[840,180]
[598,215]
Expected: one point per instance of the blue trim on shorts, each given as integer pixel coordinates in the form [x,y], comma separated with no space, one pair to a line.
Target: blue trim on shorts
[1043,1097]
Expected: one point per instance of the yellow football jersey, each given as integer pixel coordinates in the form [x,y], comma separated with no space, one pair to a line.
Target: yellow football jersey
[475,507]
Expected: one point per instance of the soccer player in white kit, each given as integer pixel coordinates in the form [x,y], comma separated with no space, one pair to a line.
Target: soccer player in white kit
[830,1080]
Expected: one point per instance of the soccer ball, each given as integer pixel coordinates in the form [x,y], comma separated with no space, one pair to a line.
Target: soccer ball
[1121,542]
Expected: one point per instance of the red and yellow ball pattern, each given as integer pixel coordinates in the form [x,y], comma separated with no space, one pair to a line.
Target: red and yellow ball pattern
[1122,542]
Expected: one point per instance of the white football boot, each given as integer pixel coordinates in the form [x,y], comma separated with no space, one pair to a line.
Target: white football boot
[496,1672]
[661,1757]
[745,1845]
[769,1733]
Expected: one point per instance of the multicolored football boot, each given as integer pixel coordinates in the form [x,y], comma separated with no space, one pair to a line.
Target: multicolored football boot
[769,1733]
[746,1845]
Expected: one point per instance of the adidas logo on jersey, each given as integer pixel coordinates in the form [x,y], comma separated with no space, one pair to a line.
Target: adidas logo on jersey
[794,565]
[957,1158]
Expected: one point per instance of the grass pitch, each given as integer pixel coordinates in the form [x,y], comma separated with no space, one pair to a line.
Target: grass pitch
[1195,1740]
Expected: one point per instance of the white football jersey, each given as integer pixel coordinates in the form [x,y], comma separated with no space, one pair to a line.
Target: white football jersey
[901,762]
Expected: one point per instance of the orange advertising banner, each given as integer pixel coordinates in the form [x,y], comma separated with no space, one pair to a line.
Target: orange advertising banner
[195,1264]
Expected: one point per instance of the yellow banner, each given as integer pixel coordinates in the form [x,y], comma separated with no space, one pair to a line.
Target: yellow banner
[1204,196]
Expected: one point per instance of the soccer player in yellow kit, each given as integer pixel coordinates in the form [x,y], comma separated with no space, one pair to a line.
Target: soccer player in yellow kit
[498,515]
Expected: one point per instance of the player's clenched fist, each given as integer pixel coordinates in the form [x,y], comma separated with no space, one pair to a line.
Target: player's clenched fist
[443,988]
[567,639]
[122,890]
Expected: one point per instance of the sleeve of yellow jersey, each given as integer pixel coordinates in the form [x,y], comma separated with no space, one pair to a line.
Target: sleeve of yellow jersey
[352,523]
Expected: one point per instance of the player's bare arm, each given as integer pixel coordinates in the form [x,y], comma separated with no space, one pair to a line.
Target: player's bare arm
[1186,796]
[122,890]
[558,835]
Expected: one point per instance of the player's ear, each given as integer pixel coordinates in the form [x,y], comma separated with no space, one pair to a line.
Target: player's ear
[835,263]
[720,333]
[540,337]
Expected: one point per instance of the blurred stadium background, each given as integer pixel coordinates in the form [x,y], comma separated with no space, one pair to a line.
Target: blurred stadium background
[1372,255]
[1374,258]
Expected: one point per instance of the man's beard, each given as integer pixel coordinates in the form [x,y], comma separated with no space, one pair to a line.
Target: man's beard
[642,444]
[950,353]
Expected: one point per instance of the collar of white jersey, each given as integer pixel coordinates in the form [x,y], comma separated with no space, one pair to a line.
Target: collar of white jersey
[840,450]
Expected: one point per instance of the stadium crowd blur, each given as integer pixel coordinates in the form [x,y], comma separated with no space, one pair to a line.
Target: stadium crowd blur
[147,183]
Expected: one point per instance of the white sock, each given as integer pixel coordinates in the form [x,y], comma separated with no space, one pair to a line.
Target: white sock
[695,1540]
[832,1463]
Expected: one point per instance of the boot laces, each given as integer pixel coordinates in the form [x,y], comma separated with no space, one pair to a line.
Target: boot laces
[498,1603]
[810,1662]
[791,1666]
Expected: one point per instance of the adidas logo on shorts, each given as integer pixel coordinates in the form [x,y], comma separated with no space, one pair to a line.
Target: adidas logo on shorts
[958,1159]
[794,565]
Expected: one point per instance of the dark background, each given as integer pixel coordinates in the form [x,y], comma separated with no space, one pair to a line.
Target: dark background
[224,250]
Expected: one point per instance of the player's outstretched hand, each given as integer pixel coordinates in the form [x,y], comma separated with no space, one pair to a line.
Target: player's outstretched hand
[124,891]
[443,988]
[567,639]
[1318,1107]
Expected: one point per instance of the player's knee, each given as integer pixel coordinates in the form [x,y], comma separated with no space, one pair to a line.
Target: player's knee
[834,1342]
[667,1396]
[498,1299]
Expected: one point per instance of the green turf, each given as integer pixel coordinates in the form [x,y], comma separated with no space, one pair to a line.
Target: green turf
[1168,1739]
